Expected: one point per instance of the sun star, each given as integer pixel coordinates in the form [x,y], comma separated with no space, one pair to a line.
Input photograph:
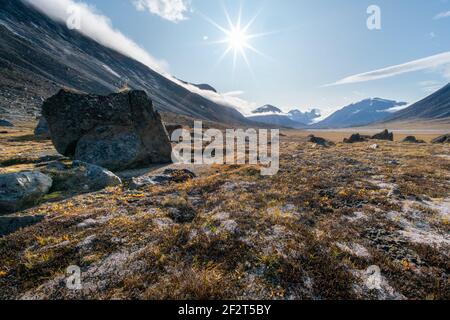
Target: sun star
[237,38]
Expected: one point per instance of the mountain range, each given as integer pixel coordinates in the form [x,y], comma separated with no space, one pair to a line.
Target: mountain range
[272,115]
[361,113]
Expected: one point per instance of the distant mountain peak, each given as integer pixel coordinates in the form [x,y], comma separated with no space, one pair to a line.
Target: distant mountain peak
[267,109]
[361,113]
[307,117]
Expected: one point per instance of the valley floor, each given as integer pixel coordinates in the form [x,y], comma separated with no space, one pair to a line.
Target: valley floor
[345,222]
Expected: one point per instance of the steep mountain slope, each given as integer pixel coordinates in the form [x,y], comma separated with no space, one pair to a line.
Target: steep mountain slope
[38,56]
[433,107]
[361,113]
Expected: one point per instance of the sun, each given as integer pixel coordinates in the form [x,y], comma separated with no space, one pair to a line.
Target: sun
[237,38]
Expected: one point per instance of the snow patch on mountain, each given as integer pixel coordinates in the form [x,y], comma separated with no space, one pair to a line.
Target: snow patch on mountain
[111,71]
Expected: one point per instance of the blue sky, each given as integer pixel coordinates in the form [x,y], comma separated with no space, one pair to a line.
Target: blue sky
[310,43]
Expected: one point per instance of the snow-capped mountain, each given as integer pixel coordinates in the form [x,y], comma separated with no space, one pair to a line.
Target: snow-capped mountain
[296,119]
[361,113]
[267,109]
[305,117]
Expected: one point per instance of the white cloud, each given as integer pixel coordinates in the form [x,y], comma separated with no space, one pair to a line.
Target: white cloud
[442,15]
[446,72]
[230,100]
[395,109]
[172,10]
[99,28]
[431,86]
[439,62]
[234,93]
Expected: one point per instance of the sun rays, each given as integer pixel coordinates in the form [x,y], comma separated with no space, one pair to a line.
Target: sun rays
[237,38]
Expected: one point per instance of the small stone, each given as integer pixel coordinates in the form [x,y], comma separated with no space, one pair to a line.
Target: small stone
[20,190]
[442,139]
[6,123]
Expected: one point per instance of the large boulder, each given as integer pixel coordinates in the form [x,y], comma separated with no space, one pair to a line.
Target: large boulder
[5,123]
[442,139]
[117,132]
[23,189]
[80,177]
[42,130]
[385,135]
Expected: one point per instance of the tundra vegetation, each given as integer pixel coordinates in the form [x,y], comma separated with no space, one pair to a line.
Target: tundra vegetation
[311,231]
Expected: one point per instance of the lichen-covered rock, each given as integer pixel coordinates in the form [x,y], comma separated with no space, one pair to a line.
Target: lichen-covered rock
[19,190]
[80,177]
[118,131]
[168,176]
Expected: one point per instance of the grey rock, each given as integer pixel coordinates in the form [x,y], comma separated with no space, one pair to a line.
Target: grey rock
[230,226]
[385,135]
[412,139]
[393,162]
[5,123]
[442,139]
[20,190]
[42,130]
[320,141]
[80,177]
[355,138]
[168,176]
[117,132]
